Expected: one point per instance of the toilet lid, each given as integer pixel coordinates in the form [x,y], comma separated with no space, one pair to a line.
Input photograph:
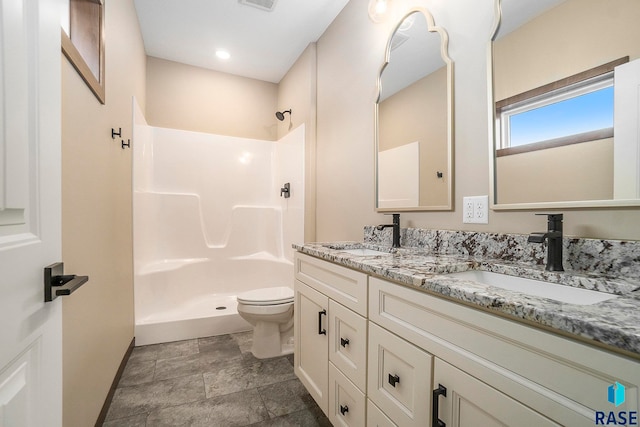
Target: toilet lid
[267,296]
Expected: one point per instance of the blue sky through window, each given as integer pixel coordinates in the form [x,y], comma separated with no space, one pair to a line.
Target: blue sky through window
[584,113]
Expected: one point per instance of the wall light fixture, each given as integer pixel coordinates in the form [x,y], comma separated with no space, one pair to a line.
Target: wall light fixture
[379,10]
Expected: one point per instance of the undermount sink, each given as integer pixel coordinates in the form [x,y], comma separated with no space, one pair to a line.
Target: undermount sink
[539,288]
[364,252]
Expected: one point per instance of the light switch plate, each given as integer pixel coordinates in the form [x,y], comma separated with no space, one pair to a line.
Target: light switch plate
[475,210]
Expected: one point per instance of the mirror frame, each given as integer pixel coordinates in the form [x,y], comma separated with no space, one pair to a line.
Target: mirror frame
[444,53]
[575,204]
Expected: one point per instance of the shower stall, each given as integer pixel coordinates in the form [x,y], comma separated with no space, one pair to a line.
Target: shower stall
[209,222]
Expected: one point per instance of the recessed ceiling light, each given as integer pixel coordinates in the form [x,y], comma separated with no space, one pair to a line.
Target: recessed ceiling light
[223,54]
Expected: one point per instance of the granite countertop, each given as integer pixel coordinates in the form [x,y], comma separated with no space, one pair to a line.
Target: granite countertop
[615,323]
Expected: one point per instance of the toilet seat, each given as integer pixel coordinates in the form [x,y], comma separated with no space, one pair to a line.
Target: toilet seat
[267,296]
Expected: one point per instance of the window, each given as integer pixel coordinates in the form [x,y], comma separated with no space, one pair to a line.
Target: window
[573,110]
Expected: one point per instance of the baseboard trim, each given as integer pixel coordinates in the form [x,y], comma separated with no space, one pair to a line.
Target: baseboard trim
[116,380]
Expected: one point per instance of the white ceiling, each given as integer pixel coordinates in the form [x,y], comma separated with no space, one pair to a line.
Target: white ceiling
[263,45]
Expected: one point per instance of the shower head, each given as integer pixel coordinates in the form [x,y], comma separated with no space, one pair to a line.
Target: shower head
[280,115]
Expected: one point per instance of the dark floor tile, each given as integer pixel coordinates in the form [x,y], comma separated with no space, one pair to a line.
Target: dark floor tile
[144,353]
[219,347]
[193,364]
[144,398]
[165,350]
[177,349]
[135,421]
[244,340]
[137,371]
[305,418]
[286,397]
[290,358]
[237,409]
[247,374]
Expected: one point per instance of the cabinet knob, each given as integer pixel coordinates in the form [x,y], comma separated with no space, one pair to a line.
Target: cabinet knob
[344,409]
[344,342]
[393,380]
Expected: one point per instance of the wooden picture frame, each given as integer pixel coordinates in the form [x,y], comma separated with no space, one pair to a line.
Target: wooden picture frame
[84,45]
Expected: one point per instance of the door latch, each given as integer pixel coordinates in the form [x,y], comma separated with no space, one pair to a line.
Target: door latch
[56,283]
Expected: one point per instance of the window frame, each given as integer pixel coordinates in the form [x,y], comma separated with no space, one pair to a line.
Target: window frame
[567,88]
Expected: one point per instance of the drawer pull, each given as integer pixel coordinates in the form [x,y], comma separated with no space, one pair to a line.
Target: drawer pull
[344,409]
[435,419]
[393,380]
[320,330]
[344,342]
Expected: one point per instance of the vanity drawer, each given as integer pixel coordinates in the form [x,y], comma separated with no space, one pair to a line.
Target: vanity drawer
[347,404]
[346,286]
[399,378]
[348,343]
[377,418]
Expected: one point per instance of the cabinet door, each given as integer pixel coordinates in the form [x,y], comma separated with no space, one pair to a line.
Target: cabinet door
[348,343]
[470,402]
[377,418]
[399,378]
[311,356]
[347,404]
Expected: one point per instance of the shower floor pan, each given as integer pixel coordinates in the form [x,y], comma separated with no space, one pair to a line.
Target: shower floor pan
[202,317]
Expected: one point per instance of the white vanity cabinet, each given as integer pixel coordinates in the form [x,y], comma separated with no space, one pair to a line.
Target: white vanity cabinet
[501,370]
[410,356]
[331,337]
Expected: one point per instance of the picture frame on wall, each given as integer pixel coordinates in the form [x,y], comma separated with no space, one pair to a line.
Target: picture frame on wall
[84,45]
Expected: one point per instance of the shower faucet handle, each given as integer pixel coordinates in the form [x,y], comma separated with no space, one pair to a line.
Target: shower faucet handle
[286,191]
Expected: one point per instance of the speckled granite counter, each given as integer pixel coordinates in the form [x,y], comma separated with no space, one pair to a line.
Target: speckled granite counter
[614,323]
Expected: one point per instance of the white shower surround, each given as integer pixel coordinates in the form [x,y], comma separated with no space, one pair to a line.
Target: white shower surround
[208,224]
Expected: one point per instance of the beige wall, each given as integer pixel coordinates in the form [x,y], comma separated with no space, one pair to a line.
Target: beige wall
[185,97]
[419,113]
[297,91]
[96,218]
[349,57]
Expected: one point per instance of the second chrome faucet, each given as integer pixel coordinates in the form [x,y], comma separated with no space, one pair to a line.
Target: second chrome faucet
[396,229]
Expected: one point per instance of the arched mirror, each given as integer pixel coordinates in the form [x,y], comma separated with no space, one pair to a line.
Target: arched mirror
[566,79]
[414,135]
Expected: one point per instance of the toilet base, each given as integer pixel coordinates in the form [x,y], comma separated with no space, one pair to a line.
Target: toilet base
[269,341]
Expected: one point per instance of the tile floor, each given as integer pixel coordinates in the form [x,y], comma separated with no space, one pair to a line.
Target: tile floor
[212,381]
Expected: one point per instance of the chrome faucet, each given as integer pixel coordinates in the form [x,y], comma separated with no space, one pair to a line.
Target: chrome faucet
[554,241]
[396,229]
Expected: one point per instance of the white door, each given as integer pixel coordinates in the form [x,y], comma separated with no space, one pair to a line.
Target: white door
[30,329]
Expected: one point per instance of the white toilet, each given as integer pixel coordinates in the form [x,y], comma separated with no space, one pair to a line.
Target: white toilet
[270,311]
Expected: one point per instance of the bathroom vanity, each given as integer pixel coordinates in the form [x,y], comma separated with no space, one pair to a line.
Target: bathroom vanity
[386,337]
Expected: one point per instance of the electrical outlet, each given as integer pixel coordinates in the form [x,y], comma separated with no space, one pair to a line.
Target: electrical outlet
[467,210]
[475,210]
